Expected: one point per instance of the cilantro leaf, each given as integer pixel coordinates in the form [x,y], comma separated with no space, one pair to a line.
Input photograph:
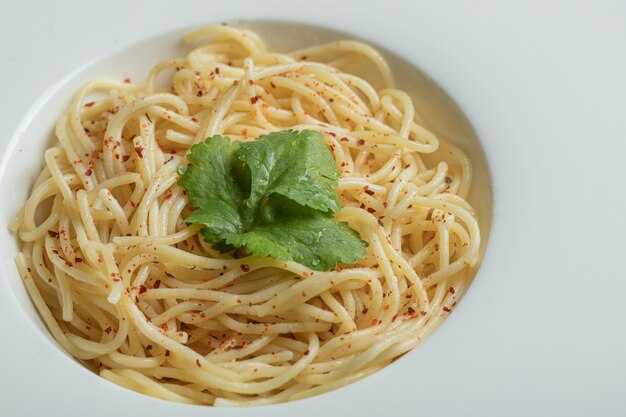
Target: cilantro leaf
[296,165]
[215,187]
[287,231]
[271,197]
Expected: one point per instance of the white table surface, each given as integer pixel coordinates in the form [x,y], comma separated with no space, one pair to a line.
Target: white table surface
[542,331]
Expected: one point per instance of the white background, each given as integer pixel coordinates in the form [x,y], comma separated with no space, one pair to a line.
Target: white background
[542,330]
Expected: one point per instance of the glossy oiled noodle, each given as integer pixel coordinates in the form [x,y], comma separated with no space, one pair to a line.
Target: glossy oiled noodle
[132,291]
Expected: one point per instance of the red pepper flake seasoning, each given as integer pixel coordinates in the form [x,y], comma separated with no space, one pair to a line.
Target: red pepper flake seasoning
[250,82]
[360,142]
[364,311]
[410,310]
[448,180]
[254,99]
[142,289]
[380,223]
[244,132]
[304,57]
[78,260]
[446,309]
[423,313]
[157,283]
[91,103]
[199,94]
[132,203]
[69,264]
[88,172]
[344,139]
[125,158]
[193,119]
[452,290]
[333,134]
[139,150]
[374,322]
[54,234]
[148,347]
[108,330]
[168,195]
[167,353]
[127,80]
[385,204]
[244,267]
[393,319]
[235,82]
[306,352]
[217,70]
[369,192]
[371,210]
[272,85]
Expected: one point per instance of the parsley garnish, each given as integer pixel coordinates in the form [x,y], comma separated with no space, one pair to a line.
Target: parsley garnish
[271,197]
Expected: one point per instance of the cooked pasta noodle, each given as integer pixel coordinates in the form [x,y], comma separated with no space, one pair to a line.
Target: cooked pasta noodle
[136,294]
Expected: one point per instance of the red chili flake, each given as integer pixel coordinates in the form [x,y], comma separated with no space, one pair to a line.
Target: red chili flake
[333,134]
[250,82]
[410,310]
[385,204]
[139,150]
[272,85]
[91,103]
[371,210]
[364,311]
[393,319]
[127,80]
[344,139]
[199,94]
[167,353]
[54,234]
[235,82]
[244,132]
[374,322]
[244,267]
[360,142]
[452,290]
[157,283]
[108,330]
[142,289]
[362,206]
[168,195]
[254,99]
[306,352]
[303,57]
[78,260]
[132,203]
[446,309]
[448,180]
[217,70]
[88,172]
[125,158]
[148,347]
[369,192]
[69,264]
[423,313]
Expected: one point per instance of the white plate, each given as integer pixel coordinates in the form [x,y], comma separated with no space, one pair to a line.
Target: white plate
[541,330]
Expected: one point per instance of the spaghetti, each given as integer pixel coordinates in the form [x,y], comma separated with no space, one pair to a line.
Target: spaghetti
[134,293]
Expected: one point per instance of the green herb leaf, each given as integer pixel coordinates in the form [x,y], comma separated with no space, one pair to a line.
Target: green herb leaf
[271,197]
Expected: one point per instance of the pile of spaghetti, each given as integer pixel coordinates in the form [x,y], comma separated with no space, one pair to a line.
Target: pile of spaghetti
[134,292]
